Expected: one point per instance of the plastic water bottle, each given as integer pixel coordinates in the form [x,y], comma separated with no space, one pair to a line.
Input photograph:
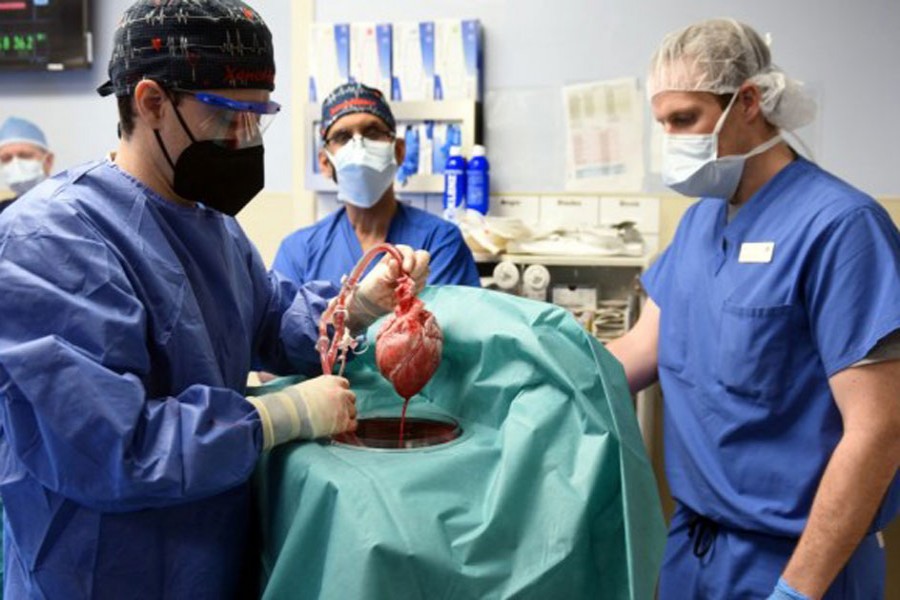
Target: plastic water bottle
[478,186]
[454,183]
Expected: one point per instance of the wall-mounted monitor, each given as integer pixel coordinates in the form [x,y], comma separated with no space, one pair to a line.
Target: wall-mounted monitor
[45,35]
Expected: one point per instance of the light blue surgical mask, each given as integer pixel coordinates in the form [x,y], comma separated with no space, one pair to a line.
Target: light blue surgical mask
[364,170]
[691,165]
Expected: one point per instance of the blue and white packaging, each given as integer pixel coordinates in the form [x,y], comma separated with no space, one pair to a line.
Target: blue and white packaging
[413,61]
[329,58]
[426,147]
[446,135]
[458,60]
[370,55]
[441,146]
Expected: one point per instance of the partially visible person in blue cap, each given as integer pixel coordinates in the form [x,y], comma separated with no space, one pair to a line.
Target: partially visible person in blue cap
[360,151]
[133,308]
[25,157]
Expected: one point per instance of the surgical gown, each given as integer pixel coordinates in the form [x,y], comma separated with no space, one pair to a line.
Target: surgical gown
[747,344]
[130,325]
[329,249]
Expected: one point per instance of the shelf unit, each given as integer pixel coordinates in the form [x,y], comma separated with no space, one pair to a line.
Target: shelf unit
[614,277]
[556,260]
[467,114]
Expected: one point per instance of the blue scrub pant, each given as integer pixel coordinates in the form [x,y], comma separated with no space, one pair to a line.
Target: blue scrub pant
[704,561]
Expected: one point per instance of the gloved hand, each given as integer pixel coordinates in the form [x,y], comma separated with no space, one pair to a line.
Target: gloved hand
[314,408]
[783,591]
[375,296]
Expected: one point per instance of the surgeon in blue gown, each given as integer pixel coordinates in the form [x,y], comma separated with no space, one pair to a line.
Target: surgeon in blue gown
[133,308]
[772,327]
[360,151]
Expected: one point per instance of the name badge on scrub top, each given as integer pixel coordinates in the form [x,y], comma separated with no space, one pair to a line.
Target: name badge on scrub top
[756,252]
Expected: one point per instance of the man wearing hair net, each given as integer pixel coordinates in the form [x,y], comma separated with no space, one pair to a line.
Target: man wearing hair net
[25,158]
[133,308]
[772,326]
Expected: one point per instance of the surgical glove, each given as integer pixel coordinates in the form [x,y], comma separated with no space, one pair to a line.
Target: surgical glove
[312,409]
[783,591]
[375,296]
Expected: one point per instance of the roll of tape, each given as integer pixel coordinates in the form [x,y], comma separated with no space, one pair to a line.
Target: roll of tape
[506,275]
[535,281]
[536,277]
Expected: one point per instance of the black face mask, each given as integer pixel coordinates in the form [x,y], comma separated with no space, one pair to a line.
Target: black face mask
[219,177]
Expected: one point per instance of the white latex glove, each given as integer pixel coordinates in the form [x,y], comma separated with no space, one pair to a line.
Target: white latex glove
[375,296]
[312,409]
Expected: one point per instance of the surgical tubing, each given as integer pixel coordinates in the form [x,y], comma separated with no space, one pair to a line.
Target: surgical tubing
[338,310]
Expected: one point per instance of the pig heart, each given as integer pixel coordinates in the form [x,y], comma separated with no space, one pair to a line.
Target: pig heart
[408,347]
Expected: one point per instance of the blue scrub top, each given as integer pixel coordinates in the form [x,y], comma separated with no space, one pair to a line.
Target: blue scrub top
[329,249]
[746,348]
[130,325]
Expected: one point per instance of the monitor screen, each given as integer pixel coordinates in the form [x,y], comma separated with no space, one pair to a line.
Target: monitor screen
[44,35]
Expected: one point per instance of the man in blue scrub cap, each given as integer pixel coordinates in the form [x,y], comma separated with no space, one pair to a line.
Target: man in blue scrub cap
[360,152]
[25,158]
[133,308]
[772,326]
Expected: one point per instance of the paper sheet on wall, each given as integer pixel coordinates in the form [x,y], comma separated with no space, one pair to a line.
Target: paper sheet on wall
[604,136]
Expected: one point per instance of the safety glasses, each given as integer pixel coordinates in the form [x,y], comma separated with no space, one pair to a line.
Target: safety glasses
[232,123]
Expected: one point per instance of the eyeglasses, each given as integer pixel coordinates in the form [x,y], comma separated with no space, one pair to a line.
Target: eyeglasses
[233,122]
[372,133]
[217,101]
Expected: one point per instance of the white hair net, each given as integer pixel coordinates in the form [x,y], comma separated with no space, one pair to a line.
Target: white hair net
[720,55]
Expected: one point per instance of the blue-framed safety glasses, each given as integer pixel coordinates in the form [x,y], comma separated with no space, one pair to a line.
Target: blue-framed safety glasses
[235,123]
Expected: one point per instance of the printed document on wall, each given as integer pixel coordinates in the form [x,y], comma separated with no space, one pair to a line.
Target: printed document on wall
[604,136]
